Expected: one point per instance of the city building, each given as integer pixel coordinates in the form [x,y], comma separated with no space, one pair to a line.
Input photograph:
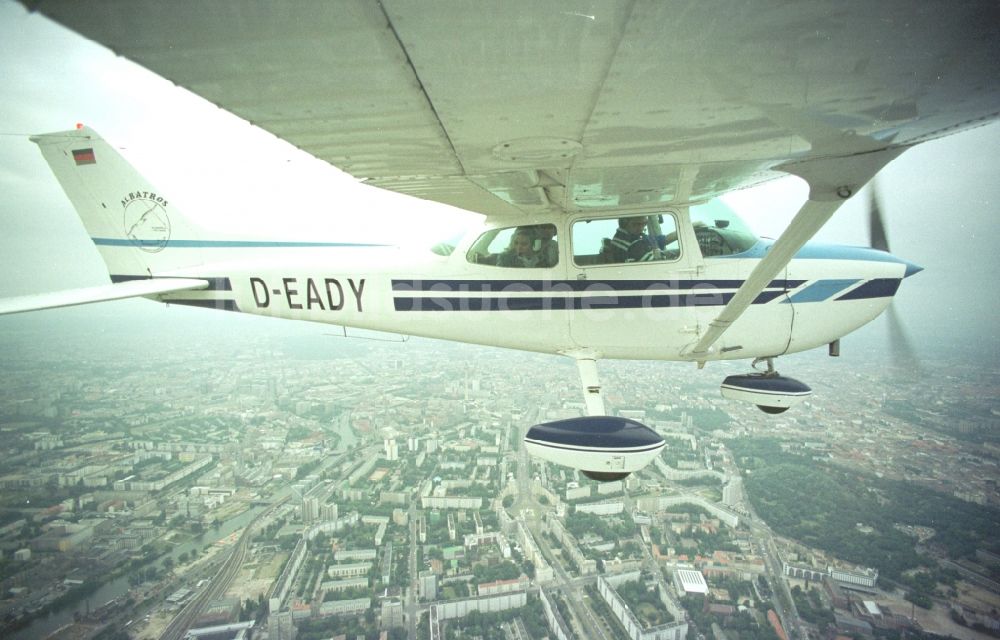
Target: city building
[690,581]
[392,613]
[427,585]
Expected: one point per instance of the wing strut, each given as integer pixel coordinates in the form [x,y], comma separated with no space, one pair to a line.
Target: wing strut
[831,182]
[806,223]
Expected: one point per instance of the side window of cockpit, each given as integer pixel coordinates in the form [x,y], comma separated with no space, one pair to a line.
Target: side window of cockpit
[629,239]
[525,247]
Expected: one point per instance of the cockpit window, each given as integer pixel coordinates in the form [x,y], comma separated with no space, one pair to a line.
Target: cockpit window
[719,230]
[636,238]
[526,247]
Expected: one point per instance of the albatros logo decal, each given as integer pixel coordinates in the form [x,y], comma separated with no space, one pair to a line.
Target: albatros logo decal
[145,220]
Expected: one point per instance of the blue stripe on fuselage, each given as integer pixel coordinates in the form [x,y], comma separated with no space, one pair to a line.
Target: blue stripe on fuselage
[566,286]
[553,303]
[819,251]
[234,244]
[222,305]
[821,290]
[877,288]
[844,252]
[440,295]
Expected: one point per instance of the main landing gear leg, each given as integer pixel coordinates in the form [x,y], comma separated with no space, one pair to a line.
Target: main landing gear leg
[593,398]
[770,372]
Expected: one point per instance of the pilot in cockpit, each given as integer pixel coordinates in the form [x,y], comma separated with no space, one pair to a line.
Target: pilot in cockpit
[521,251]
[630,243]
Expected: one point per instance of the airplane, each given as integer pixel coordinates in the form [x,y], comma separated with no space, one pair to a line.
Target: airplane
[596,139]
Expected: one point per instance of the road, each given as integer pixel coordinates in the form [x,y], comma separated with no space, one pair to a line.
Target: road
[583,617]
[775,572]
[413,592]
[773,569]
[529,509]
[525,503]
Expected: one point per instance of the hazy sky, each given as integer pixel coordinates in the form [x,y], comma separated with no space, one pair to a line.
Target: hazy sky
[941,199]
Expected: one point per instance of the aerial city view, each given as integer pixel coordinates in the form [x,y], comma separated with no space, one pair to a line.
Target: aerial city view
[321,487]
[499,321]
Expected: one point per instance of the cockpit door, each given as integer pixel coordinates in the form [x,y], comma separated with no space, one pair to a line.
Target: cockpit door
[635,285]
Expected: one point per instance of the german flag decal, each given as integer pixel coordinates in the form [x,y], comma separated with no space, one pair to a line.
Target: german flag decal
[84,156]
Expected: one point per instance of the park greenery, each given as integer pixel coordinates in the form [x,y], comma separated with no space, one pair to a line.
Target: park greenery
[488,626]
[645,603]
[811,608]
[505,570]
[704,419]
[352,626]
[822,505]
[708,543]
[608,528]
[822,509]
[745,625]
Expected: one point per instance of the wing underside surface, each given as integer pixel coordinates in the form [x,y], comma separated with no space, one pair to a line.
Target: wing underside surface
[519,107]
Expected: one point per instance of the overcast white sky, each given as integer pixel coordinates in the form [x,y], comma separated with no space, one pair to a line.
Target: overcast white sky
[941,199]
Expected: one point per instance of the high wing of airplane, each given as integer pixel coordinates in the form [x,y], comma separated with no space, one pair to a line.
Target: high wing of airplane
[519,107]
[567,120]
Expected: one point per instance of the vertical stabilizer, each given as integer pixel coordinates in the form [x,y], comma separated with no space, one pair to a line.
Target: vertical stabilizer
[136,228]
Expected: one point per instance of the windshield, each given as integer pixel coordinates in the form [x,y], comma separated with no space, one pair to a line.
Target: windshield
[719,230]
[447,246]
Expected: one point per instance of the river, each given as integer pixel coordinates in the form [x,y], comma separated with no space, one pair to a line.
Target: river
[41,627]
[348,438]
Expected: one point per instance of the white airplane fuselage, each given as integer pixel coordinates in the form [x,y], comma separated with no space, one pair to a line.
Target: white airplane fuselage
[577,283]
[653,310]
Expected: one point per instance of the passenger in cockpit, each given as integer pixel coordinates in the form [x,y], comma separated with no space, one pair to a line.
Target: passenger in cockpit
[548,248]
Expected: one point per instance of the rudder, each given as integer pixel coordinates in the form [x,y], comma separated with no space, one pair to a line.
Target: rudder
[136,229]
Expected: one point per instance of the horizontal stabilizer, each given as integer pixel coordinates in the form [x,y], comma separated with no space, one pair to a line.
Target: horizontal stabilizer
[121,290]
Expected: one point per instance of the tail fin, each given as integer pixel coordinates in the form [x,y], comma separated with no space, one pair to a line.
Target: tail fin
[138,232]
